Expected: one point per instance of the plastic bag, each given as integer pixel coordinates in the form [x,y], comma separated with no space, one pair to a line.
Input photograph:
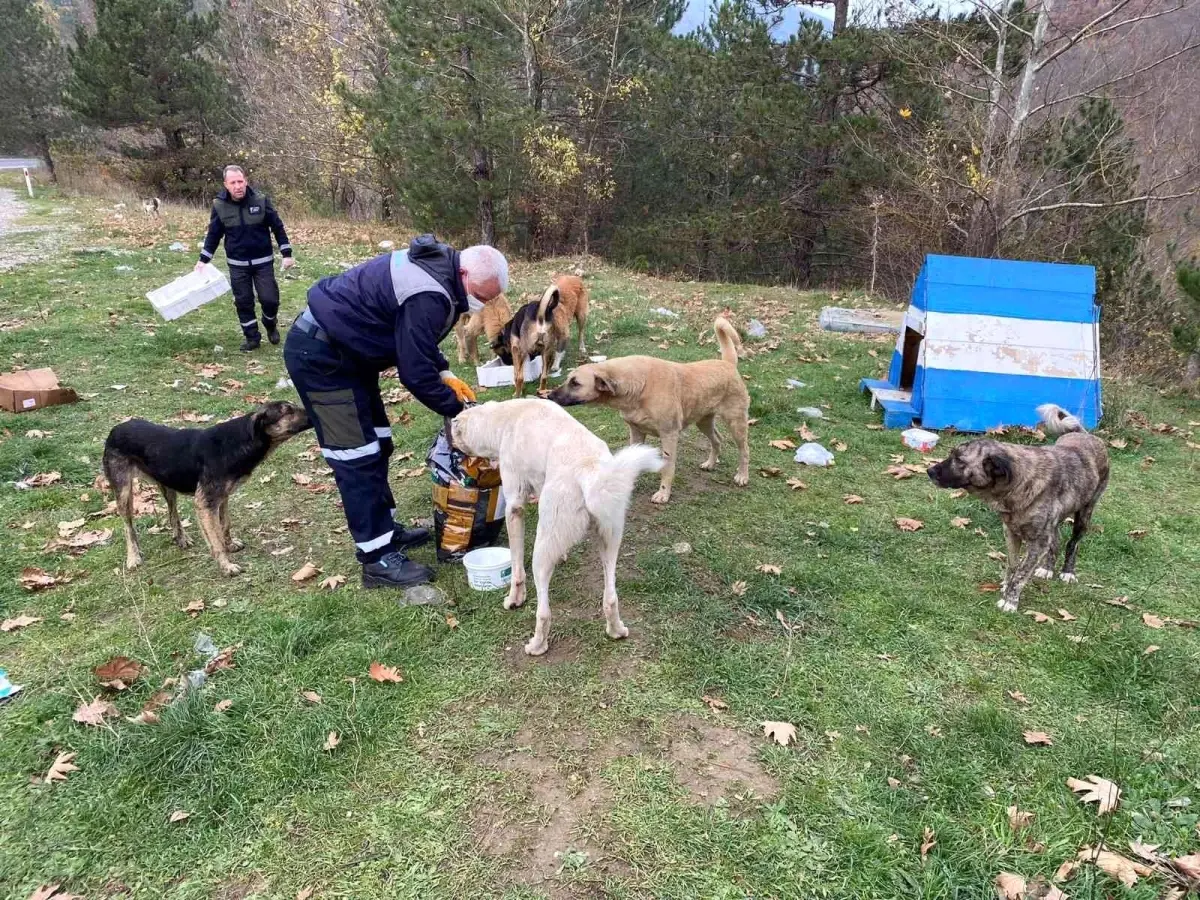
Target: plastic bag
[811,454]
[468,503]
[756,329]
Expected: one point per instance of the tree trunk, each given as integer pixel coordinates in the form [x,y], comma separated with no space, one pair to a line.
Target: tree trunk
[1191,375]
[481,163]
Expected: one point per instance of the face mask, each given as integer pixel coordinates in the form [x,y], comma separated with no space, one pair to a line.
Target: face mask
[474,304]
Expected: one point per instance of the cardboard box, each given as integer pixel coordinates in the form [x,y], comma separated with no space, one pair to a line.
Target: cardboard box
[34,389]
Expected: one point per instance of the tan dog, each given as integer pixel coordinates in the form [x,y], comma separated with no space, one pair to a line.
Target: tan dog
[656,396]
[544,452]
[489,321]
[1034,490]
[572,304]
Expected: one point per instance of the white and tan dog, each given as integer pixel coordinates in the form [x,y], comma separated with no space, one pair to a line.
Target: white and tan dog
[544,452]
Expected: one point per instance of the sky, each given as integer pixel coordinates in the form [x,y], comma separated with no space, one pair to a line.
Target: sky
[696,13]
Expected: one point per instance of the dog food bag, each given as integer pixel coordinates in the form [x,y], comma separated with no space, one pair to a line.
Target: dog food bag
[468,503]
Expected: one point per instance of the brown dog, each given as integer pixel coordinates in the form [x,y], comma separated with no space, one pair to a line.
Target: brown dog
[1034,490]
[656,396]
[572,304]
[489,321]
[208,462]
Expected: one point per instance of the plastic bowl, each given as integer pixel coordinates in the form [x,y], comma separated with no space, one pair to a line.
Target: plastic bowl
[488,568]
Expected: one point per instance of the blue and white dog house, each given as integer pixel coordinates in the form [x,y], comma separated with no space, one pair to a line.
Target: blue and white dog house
[986,341]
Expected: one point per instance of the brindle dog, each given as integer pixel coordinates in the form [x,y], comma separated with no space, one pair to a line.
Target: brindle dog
[1034,490]
[208,462]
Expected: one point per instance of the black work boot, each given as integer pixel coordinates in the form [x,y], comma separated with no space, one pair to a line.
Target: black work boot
[404,538]
[250,343]
[273,334]
[395,570]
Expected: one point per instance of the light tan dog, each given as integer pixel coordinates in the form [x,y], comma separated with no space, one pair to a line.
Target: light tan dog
[656,396]
[544,452]
[572,304]
[489,321]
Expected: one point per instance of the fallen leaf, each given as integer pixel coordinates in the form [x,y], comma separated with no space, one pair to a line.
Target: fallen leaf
[783,733]
[770,472]
[898,472]
[40,480]
[1115,865]
[222,706]
[333,582]
[61,767]
[928,842]
[1066,616]
[304,893]
[796,484]
[1153,648]
[451,622]
[960,521]
[909,524]
[305,572]
[1043,890]
[1038,738]
[715,703]
[1188,865]
[738,588]
[94,713]
[331,741]
[1066,871]
[1118,443]
[66,529]
[1137,533]
[768,569]
[1097,790]
[893,783]
[301,478]
[933,731]
[33,579]
[1010,886]
[22,621]
[839,446]
[46,891]
[852,499]
[194,608]
[1018,819]
[806,433]
[1152,621]
[178,816]
[1122,602]
[783,444]
[118,672]
[1040,617]
[381,673]
[311,696]
[996,555]
[1145,851]
[1018,697]
[149,713]
[988,587]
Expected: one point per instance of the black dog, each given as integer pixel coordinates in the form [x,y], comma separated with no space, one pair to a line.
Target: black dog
[208,462]
[532,331]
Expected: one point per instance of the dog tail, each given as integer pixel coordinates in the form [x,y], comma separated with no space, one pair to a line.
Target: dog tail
[606,492]
[728,340]
[1057,420]
[548,303]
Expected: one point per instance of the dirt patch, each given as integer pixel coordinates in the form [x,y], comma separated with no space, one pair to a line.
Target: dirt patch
[546,813]
[716,763]
[564,648]
[247,886]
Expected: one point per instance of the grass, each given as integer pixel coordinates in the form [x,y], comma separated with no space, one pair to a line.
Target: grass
[598,770]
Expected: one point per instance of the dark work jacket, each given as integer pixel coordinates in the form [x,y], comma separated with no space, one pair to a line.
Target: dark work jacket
[246,225]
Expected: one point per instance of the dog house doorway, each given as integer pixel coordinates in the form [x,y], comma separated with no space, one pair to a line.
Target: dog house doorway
[909,358]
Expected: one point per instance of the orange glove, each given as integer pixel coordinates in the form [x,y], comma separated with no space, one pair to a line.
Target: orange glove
[461,389]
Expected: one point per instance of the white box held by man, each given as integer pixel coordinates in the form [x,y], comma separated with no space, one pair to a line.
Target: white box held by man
[189,292]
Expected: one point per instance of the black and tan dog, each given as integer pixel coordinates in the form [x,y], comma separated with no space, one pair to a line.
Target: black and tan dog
[208,462]
[1034,490]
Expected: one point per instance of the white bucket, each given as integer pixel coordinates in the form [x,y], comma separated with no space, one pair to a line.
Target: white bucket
[488,568]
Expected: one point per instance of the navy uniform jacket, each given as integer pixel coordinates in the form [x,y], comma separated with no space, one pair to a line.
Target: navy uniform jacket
[246,225]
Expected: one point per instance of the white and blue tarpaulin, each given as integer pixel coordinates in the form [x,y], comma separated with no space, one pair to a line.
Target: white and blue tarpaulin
[986,341]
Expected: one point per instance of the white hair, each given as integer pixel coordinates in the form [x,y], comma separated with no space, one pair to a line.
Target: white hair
[485,263]
[231,168]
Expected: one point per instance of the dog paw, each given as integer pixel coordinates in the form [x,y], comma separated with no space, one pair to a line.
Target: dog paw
[741,479]
[132,562]
[620,631]
[515,598]
[534,647]
[1068,578]
[235,545]
[1004,604]
[662,495]
[1043,574]
[231,569]
[708,465]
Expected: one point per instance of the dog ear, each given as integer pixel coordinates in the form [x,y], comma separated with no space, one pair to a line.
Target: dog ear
[605,384]
[998,467]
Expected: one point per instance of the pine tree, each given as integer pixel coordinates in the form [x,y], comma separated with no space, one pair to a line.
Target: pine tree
[155,65]
[32,78]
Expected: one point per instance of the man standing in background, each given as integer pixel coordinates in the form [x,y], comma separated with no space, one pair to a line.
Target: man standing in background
[246,218]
